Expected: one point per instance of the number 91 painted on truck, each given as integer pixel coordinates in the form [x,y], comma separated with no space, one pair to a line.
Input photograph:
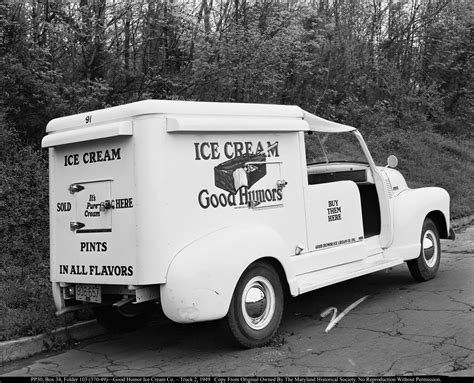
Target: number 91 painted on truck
[216,210]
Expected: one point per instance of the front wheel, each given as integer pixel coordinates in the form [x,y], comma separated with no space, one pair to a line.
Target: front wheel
[257,306]
[426,265]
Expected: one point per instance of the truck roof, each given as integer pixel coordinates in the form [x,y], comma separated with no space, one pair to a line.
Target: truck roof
[198,116]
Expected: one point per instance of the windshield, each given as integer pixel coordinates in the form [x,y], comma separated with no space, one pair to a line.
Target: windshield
[333,147]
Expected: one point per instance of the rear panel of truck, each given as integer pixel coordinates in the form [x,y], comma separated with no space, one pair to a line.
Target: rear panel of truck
[92,207]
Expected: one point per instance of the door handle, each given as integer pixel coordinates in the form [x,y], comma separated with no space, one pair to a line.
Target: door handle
[106,205]
[281,184]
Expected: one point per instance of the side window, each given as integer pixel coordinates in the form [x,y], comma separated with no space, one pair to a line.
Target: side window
[324,148]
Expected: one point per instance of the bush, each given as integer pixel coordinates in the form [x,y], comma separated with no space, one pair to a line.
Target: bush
[26,303]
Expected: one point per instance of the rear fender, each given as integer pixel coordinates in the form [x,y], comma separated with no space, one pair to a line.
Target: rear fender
[202,277]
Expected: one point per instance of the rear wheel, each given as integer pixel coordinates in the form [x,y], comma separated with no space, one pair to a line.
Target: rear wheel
[257,306]
[426,265]
[126,318]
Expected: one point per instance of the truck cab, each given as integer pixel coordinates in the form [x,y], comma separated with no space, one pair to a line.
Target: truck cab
[215,210]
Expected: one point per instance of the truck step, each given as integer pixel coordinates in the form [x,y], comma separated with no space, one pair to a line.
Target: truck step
[326,277]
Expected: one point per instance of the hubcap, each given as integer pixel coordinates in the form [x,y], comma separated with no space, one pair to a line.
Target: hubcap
[430,248]
[258,303]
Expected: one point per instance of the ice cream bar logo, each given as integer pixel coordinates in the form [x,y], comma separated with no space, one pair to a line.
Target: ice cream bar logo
[246,164]
[240,171]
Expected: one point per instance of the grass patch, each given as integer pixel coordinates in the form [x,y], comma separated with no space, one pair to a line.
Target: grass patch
[431,159]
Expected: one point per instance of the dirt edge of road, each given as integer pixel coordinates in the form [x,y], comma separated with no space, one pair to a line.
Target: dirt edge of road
[16,349]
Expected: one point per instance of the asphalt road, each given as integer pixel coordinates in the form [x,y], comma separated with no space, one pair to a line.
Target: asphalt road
[403,327]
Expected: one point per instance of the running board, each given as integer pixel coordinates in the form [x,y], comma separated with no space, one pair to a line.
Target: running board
[326,277]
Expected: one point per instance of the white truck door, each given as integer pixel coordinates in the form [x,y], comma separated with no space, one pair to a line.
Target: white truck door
[334,226]
[93,204]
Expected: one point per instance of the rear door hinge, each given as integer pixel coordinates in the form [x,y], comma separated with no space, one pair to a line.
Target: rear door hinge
[74,188]
[76,225]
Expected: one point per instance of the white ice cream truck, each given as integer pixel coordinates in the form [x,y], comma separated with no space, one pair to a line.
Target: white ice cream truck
[218,210]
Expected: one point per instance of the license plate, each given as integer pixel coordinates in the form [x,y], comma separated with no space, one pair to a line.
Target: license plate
[88,293]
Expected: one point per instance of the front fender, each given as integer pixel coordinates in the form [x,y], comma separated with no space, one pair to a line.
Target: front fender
[202,277]
[410,209]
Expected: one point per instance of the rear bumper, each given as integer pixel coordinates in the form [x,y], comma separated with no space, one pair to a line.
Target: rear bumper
[61,306]
[112,295]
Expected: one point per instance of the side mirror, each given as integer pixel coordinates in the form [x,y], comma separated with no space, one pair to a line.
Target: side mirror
[392,161]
